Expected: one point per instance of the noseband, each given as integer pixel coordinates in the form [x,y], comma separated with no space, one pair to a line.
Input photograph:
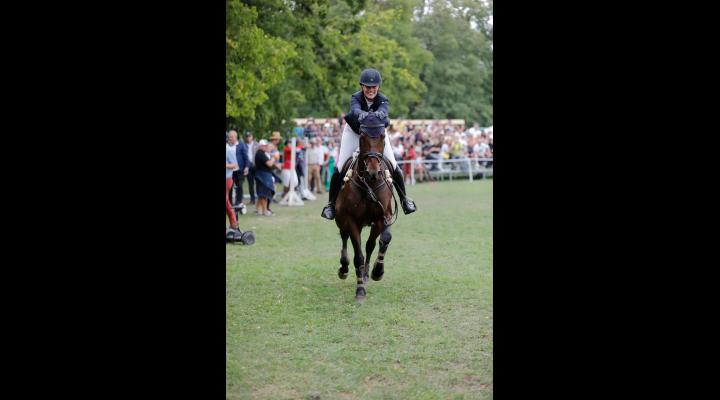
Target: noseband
[372,154]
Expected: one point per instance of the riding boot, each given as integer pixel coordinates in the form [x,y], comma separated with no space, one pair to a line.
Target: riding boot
[407,204]
[328,211]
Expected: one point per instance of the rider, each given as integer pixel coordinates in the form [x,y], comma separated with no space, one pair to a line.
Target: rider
[367,100]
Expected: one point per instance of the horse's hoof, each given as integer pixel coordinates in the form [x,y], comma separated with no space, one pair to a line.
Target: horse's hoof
[377,274]
[342,275]
[360,294]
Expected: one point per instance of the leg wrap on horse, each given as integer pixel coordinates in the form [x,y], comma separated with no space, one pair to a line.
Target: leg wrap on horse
[385,238]
[379,268]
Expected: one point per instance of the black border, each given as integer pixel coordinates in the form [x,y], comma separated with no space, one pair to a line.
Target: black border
[122,289]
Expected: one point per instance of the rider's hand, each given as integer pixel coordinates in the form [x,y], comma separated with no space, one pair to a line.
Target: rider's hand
[362,115]
[381,114]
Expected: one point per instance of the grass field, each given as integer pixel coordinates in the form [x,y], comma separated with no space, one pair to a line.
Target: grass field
[295,331]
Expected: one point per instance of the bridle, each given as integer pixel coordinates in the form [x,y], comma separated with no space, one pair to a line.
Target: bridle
[383,181]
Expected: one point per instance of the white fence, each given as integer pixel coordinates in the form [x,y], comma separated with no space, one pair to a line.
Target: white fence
[459,168]
[462,168]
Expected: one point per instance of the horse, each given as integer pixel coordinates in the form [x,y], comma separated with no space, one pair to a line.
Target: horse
[365,200]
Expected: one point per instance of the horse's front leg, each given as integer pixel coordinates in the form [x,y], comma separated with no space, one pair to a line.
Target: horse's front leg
[379,267]
[359,262]
[344,261]
[377,227]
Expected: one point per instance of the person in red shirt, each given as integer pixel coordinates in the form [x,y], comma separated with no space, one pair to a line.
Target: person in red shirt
[288,172]
[410,155]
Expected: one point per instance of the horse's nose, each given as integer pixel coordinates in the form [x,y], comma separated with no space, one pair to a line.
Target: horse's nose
[373,175]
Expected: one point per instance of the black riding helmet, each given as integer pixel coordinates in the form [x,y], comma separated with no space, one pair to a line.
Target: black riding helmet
[370,77]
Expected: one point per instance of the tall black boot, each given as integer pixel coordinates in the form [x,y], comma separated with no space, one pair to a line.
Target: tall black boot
[407,204]
[328,211]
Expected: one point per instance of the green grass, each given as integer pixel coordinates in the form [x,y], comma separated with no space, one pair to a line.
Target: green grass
[295,331]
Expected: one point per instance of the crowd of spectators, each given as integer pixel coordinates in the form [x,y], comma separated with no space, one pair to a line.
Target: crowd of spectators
[426,145]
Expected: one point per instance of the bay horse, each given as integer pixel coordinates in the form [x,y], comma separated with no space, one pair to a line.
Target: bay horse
[365,200]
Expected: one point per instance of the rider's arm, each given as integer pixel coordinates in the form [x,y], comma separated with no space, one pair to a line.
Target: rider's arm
[384,103]
[355,108]
[383,107]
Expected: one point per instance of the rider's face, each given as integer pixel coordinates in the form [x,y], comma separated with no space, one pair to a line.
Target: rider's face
[370,91]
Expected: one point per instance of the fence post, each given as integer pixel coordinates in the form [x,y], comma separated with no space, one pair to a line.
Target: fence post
[470,173]
[412,172]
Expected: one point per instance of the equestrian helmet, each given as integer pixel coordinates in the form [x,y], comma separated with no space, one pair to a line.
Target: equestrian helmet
[370,77]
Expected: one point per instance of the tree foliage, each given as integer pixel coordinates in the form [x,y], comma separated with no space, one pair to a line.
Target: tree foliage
[297,58]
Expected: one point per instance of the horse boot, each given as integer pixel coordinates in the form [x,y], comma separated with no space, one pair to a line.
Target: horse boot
[408,205]
[328,211]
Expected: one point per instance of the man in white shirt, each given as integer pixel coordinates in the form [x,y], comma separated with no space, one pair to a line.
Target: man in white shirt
[315,158]
[475,130]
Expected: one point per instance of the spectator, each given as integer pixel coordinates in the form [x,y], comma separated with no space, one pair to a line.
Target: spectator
[332,157]
[252,148]
[275,153]
[418,163]
[242,170]
[327,128]
[300,163]
[409,156]
[299,131]
[398,148]
[264,179]
[481,150]
[311,129]
[315,159]
[323,166]
[490,145]
[289,175]
[432,151]
[230,165]
[275,139]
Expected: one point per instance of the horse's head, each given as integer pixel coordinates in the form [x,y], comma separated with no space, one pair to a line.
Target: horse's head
[371,153]
[372,144]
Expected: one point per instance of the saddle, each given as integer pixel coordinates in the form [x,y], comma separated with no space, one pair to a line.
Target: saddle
[349,168]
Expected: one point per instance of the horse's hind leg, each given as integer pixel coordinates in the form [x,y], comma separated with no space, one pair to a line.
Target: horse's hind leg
[370,246]
[359,262]
[379,267]
[344,261]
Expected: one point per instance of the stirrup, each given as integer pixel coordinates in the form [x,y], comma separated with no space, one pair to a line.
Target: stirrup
[328,211]
[408,206]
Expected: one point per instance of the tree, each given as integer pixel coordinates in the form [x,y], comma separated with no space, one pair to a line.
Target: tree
[459,81]
[297,58]
[254,64]
[399,55]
